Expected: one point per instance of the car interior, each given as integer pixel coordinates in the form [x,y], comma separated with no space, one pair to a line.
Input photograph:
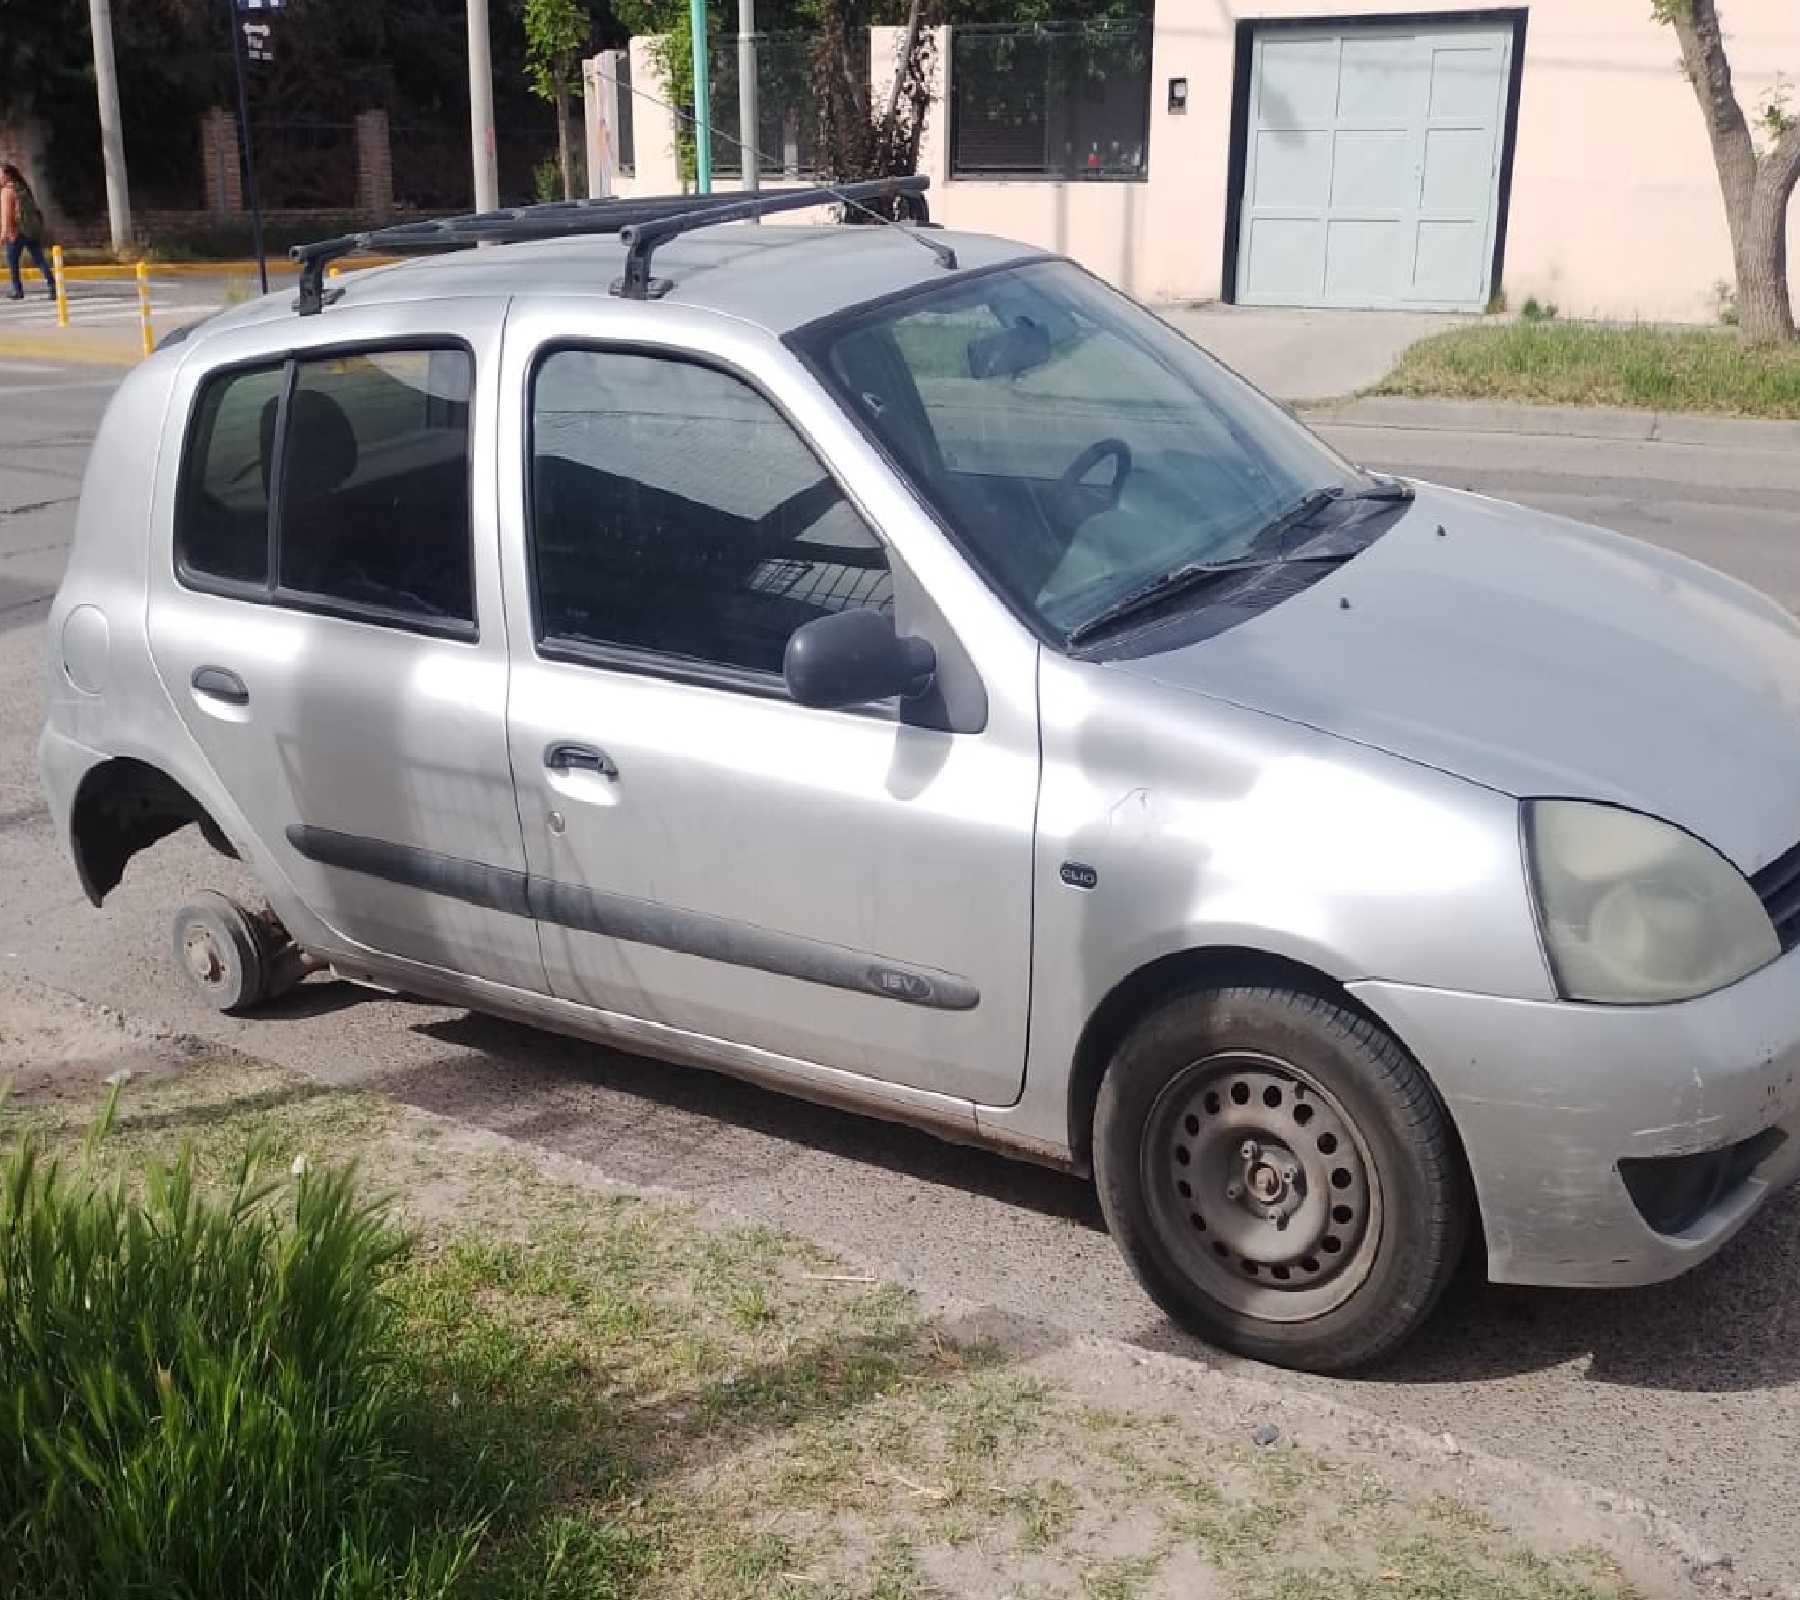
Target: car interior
[363,526]
[623,563]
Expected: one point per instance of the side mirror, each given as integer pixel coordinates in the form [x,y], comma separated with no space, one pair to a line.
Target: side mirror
[854,657]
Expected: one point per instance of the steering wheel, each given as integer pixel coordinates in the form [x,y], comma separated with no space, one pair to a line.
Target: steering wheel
[1085,463]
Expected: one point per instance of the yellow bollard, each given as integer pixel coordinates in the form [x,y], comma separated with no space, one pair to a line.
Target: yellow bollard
[143,278]
[62,286]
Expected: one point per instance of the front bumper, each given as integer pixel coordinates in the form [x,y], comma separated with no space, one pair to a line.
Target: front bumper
[1549,1097]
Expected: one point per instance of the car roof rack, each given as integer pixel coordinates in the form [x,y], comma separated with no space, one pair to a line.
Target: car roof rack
[642,223]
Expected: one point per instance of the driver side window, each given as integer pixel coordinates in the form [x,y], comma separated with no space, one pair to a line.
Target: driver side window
[677,516]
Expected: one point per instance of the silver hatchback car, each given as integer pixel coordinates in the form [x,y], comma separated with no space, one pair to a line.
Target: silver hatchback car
[891,665]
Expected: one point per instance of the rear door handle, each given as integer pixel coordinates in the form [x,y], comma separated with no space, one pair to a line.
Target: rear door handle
[565,757]
[220,683]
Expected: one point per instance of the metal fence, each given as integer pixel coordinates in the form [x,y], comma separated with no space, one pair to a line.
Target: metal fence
[1050,100]
[786,104]
[433,169]
[625,135]
[305,166]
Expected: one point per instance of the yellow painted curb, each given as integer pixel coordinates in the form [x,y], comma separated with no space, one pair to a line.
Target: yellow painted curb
[70,347]
[216,269]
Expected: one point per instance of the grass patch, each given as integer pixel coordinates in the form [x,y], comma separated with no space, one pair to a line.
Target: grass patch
[1568,363]
[199,1385]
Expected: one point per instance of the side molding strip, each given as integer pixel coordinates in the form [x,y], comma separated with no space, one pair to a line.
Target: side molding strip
[492,888]
[737,944]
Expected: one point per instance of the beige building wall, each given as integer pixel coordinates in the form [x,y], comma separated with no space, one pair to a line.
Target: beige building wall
[1615,209]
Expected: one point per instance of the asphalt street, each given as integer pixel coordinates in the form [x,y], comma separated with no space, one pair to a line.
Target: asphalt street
[1687,1395]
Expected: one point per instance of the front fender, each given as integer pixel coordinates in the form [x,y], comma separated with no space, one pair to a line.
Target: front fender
[1169,823]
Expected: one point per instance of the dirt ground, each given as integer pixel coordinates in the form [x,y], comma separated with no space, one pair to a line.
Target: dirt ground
[996,1456]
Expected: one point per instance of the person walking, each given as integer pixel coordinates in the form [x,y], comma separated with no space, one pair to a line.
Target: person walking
[22,227]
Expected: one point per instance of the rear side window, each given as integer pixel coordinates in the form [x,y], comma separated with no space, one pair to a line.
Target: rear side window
[223,529]
[337,484]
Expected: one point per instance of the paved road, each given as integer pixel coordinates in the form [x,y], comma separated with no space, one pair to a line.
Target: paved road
[1687,1395]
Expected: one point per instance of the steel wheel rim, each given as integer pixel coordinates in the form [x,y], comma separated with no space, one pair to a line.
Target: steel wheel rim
[1261,1187]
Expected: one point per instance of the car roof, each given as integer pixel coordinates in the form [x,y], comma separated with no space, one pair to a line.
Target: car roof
[777,278]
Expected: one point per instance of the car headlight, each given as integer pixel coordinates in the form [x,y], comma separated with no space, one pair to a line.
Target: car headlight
[1635,911]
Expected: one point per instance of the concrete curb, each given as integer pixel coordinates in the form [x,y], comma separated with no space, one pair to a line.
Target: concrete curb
[1558,422]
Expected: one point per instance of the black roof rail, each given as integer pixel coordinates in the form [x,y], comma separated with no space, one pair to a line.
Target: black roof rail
[642,223]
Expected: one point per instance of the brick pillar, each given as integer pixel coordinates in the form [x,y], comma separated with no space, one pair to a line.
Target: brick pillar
[374,166]
[221,164]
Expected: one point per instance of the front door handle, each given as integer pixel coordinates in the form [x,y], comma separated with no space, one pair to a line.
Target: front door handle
[220,683]
[563,757]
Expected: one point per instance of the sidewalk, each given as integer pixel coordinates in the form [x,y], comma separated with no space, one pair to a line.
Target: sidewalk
[1304,356]
[1392,414]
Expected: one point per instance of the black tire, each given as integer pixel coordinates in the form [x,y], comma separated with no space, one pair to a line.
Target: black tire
[222,951]
[1325,1249]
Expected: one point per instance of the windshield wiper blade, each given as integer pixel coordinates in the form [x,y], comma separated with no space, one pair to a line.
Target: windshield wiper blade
[1273,533]
[1188,581]
[1302,510]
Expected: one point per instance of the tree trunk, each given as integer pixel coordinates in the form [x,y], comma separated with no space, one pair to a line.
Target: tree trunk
[909,44]
[853,80]
[1765,311]
[1756,192]
[564,153]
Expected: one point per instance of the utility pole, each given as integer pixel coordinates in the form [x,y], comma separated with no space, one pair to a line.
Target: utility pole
[702,100]
[481,109]
[749,155]
[112,130]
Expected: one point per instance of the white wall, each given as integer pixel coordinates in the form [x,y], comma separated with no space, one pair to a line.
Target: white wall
[1615,204]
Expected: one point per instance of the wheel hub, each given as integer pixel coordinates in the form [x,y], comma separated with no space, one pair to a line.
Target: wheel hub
[1267,1185]
[204,958]
[1269,1182]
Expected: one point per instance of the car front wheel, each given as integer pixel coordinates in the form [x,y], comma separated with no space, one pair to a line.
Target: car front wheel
[1280,1176]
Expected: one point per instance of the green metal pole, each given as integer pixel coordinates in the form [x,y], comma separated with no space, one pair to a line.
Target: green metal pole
[702,100]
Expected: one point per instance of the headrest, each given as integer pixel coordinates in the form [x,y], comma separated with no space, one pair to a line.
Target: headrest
[321,445]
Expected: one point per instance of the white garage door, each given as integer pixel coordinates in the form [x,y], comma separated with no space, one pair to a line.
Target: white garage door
[1372,170]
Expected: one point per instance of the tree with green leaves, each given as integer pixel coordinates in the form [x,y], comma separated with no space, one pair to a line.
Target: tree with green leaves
[556,33]
[1758,183]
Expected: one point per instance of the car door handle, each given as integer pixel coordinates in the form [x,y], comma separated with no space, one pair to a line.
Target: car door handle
[580,758]
[220,683]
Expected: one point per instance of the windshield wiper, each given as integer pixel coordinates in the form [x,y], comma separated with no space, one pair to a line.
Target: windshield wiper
[1198,576]
[1189,581]
[1310,505]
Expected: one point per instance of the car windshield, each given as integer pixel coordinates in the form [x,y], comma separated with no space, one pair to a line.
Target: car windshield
[1076,446]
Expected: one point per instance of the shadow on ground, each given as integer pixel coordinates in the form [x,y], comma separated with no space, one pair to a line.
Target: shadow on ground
[1732,1326]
